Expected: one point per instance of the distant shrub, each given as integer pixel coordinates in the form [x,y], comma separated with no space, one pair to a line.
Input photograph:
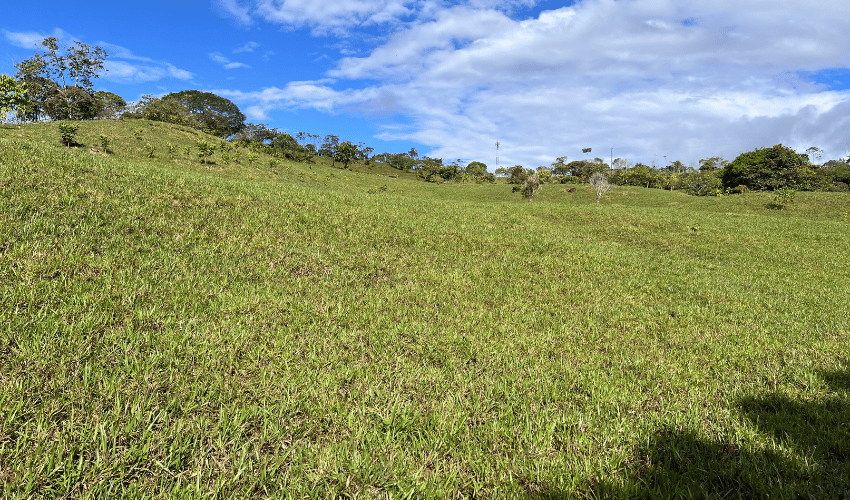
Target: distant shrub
[187,150]
[274,163]
[149,150]
[104,143]
[252,157]
[137,133]
[171,149]
[205,150]
[68,130]
[531,186]
[740,189]
[784,196]
[702,184]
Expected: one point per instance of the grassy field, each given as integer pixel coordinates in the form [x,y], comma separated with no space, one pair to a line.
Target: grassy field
[176,330]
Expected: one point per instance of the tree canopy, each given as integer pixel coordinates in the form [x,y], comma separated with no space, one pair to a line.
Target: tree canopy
[59,81]
[214,114]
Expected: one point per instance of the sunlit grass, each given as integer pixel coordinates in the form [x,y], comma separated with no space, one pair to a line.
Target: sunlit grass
[173,329]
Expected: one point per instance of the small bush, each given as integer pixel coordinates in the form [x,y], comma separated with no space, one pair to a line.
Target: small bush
[104,143]
[137,133]
[252,157]
[205,150]
[171,149]
[782,197]
[68,130]
[149,150]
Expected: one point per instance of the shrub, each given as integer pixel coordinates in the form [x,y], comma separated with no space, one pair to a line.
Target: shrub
[149,150]
[104,143]
[531,186]
[205,150]
[137,133]
[68,130]
[252,157]
[171,149]
[702,184]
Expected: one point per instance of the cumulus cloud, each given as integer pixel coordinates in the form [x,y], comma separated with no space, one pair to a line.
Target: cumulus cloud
[684,79]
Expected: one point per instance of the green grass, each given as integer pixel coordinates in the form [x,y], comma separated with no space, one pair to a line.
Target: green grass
[172,329]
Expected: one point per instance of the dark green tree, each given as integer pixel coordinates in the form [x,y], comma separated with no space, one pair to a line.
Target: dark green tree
[108,105]
[767,169]
[712,164]
[345,153]
[214,114]
[518,174]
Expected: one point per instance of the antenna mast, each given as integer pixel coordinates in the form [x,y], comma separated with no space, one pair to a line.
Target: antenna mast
[497,154]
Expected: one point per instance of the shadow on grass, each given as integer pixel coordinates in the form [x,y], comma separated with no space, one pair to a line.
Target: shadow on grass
[804,453]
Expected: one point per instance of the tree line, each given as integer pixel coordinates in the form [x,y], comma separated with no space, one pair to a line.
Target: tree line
[57,84]
[764,169]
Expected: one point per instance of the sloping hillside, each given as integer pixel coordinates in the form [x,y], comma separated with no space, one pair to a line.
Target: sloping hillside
[171,328]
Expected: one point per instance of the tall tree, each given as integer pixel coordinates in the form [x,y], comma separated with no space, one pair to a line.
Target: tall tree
[60,80]
[216,115]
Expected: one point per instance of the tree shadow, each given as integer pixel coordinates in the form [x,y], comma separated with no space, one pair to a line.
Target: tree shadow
[805,454]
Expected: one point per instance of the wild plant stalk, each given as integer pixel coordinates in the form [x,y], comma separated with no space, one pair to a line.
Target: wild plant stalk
[600,184]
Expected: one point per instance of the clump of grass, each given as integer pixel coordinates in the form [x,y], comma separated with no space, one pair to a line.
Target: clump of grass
[149,150]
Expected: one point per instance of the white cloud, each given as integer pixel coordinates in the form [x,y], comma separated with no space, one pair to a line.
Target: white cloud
[118,69]
[322,16]
[125,72]
[234,9]
[246,47]
[32,39]
[685,79]
[225,62]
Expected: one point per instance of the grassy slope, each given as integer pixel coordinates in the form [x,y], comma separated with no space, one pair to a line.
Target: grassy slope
[174,329]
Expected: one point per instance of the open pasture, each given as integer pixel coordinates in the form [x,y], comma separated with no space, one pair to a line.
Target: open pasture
[176,330]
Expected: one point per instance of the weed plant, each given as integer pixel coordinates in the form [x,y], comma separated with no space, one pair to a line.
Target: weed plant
[170,330]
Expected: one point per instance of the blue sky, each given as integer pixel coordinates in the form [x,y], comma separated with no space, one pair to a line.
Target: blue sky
[649,79]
